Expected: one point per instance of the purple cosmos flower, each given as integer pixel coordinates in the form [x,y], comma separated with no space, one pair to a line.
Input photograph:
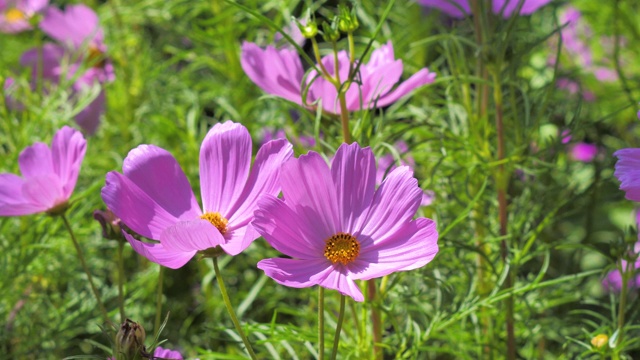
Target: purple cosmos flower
[338,228]
[584,152]
[15,14]
[387,163]
[161,353]
[613,280]
[49,175]
[153,197]
[628,172]
[461,8]
[280,73]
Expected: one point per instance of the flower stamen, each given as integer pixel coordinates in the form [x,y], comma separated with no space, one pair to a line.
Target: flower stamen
[14,15]
[216,220]
[342,248]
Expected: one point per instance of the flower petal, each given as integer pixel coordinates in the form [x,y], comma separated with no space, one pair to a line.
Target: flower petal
[354,173]
[286,231]
[188,236]
[225,157]
[156,172]
[237,240]
[158,254]
[74,26]
[309,190]
[44,190]
[89,118]
[418,79]
[455,8]
[411,247]
[67,150]
[134,207]
[628,172]
[263,180]
[12,201]
[36,160]
[295,273]
[339,279]
[394,204]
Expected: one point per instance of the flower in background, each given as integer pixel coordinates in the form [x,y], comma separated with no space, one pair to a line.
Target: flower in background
[167,354]
[462,8]
[49,175]
[338,228]
[153,197]
[280,73]
[15,15]
[613,280]
[628,172]
[573,88]
[387,163]
[302,140]
[583,151]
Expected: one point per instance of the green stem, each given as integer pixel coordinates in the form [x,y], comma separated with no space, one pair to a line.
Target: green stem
[344,117]
[376,320]
[232,314]
[625,272]
[352,54]
[156,323]
[320,323]
[336,338]
[121,280]
[316,52]
[103,310]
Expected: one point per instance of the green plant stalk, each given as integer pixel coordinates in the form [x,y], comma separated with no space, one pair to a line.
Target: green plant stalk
[376,319]
[625,272]
[336,339]
[103,310]
[344,117]
[156,323]
[316,52]
[320,323]
[121,279]
[501,182]
[352,54]
[232,314]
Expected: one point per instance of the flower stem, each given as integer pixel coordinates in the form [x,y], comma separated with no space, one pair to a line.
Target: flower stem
[232,314]
[344,117]
[624,273]
[336,339]
[376,321]
[156,323]
[316,52]
[103,310]
[352,54]
[320,323]
[121,280]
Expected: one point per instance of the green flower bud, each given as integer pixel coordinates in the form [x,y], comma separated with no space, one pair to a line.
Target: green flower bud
[308,29]
[347,20]
[130,341]
[330,32]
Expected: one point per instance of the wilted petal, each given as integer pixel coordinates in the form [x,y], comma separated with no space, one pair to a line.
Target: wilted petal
[158,254]
[156,172]
[225,157]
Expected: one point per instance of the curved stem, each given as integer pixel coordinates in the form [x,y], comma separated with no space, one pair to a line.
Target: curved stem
[232,314]
[336,338]
[103,310]
[320,323]
[121,280]
[156,324]
[316,52]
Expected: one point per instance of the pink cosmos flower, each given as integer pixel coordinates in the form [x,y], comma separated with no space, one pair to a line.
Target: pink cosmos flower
[338,228]
[302,140]
[387,163]
[628,172]
[49,175]
[161,353]
[461,8]
[15,14]
[613,280]
[280,73]
[153,197]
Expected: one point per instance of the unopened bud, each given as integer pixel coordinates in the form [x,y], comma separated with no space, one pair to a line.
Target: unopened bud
[309,29]
[330,32]
[599,341]
[130,341]
[111,225]
[347,20]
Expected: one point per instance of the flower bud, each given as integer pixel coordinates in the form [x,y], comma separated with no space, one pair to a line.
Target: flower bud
[347,20]
[330,32]
[130,340]
[309,29]
[110,224]
[599,341]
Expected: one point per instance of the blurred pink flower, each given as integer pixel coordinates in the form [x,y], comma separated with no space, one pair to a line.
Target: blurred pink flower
[49,175]
[167,354]
[462,8]
[387,163]
[15,15]
[153,197]
[302,140]
[582,151]
[613,280]
[280,73]
[628,172]
[338,228]
[572,87]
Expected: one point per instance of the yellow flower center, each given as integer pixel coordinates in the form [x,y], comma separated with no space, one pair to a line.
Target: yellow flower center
[342,248]
[14,15]
[216,220]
